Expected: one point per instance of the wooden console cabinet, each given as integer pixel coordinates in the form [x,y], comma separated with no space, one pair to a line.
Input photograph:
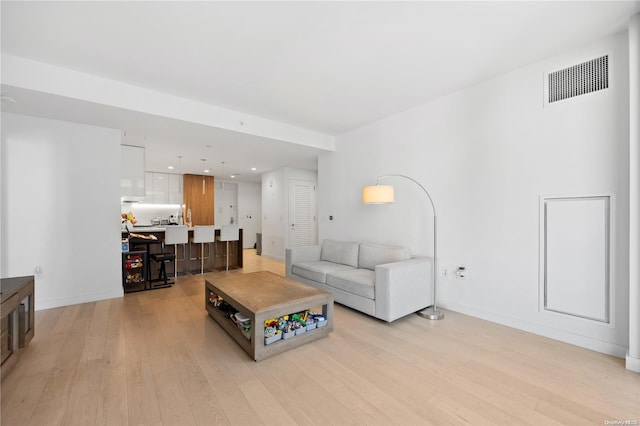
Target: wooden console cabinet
[17,317]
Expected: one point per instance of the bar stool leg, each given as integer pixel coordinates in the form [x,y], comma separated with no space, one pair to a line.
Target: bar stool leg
[227,256]
[202,258]
[175,265]
[163,273]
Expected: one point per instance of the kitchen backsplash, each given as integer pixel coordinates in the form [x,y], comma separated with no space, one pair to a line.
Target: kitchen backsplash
[145,213]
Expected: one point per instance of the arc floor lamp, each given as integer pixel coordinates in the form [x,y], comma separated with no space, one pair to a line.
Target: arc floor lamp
[383,194]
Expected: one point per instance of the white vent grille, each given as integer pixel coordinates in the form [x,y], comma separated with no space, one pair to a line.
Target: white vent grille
[580,79]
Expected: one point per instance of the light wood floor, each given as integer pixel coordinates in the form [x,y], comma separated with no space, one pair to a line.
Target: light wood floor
[156,358]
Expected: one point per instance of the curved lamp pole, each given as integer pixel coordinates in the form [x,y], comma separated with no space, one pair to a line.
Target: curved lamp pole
[383,194]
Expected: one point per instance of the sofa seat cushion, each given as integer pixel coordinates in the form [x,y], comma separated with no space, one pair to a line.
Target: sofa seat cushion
[340,252]
[371,255]
[360,282]
[317,271]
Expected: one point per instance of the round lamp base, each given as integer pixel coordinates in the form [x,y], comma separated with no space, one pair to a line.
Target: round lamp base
[431,313]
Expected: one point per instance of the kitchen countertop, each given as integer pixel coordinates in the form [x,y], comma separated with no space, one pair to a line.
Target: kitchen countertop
[148,228]
[135,229]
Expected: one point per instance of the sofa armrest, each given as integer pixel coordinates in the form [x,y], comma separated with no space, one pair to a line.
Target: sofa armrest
[300,254]
[403,287]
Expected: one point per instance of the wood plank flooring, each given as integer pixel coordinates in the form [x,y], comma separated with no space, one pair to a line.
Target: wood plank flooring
[156,358]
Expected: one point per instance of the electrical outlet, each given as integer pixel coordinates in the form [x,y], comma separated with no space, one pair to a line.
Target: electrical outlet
[461,273]
[445,271]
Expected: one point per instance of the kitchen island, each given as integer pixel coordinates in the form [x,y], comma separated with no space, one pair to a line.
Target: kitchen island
[216,259]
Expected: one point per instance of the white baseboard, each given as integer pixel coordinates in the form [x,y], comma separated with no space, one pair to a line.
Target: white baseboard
[67,301]
[552,333]
[632,363]
[272,257]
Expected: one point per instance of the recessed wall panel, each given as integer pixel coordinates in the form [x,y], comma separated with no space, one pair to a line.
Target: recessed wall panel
[576,256]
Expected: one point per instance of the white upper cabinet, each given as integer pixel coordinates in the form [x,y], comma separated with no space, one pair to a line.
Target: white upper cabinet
[160,188]
[175,189]
[163,188]
[132,176]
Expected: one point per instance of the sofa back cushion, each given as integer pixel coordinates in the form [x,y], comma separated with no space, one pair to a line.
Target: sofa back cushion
[340,252]
[371,255]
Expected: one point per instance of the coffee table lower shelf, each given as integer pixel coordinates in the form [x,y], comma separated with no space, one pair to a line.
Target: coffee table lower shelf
[255,346]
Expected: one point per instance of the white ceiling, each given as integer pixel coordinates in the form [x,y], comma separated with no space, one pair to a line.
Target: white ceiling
[329,67]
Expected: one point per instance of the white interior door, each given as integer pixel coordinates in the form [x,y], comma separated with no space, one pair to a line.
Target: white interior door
[302,219]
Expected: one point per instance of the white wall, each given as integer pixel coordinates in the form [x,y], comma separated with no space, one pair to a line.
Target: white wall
[633,356]
[486,154]
[3,204]
[61,192]
[274,198]
[249,211]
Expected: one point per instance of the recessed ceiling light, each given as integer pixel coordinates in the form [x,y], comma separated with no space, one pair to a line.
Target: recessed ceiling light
[170,167]
[232,176]
[206,170]
[254,169]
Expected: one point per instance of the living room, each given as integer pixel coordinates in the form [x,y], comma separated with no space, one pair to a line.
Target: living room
[489,153]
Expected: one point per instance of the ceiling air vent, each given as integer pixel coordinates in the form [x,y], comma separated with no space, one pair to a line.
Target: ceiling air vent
[580,79]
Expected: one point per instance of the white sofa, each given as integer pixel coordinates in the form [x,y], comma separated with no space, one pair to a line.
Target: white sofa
[382,281]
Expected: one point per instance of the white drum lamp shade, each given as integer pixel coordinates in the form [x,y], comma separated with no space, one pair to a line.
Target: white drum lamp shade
[378,194]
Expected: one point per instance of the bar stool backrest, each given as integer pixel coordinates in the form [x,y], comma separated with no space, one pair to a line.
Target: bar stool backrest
[176,234]
[229,233]
[204,234]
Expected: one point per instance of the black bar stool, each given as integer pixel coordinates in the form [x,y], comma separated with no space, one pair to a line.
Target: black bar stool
[137,240]
[162,259]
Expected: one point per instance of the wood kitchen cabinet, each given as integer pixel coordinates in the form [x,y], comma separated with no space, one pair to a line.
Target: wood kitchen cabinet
[198,196]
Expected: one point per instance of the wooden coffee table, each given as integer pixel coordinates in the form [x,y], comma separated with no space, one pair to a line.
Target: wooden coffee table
[261,296]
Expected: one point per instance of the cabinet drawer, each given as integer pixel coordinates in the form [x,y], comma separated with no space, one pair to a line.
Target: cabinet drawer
[4,346]
[8,326]
[10,304]
[4,324]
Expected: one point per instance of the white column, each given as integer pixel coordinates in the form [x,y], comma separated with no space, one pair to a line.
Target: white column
[633,354]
